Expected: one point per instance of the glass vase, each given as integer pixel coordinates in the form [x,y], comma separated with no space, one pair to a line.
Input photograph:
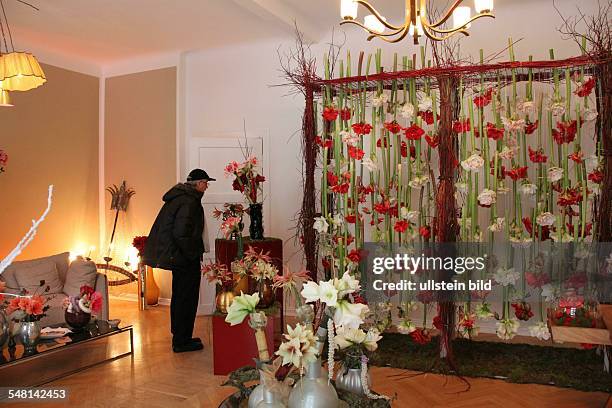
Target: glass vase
[28,334]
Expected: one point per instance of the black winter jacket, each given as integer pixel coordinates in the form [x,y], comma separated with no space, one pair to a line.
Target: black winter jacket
[175,239]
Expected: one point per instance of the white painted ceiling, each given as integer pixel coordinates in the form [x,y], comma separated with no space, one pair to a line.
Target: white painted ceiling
[106,32]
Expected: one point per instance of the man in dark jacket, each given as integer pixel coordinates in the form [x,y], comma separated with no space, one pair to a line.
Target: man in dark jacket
[176,243]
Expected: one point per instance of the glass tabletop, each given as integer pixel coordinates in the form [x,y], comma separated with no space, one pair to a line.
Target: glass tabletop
[12,352]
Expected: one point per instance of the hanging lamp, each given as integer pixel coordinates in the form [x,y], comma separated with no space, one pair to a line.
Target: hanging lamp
[19,71]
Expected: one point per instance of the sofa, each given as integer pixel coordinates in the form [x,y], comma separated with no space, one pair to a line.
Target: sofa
[62,276]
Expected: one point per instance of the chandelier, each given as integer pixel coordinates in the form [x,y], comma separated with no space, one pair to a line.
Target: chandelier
[417,20]
[19,71]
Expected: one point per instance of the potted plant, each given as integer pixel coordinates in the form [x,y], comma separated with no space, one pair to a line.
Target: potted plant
[26,311]
[78,309]
[218,273]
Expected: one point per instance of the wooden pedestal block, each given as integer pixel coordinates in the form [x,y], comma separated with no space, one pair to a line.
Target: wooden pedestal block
[235,346]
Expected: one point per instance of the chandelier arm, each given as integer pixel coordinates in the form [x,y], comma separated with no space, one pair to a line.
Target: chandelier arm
[402,34]
[378,16]
[431,34]
[373,33]
[8,28]
[450,30]
[448,14]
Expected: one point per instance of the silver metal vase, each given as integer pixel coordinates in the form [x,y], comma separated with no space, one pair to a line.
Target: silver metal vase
[312,391]
[28,334]
[349,379]
[270,400]
[257,395]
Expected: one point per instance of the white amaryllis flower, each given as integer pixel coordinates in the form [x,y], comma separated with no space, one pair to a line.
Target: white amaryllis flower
[487,197]
[350,314]
[409,215]
[406,326]
[241,306]
[549,292]
[407,111]
[545,219]
[338,220]
[507,153]
[526,107]
[472,163]
[594,189]
[370,163]
[513,125]
[507,328]
[323,291]
[562,237]
[378,101]
[83,306]
[320,225]
[349,138]
[347,337]
[540,331]
[590,115]
[528,189]
[557,108]
[425,102]
[299,349]
[461,187]
[346,285]
[518,242]
[507,276]
[371,341]
[591,162]
[483,311]
[419,181]
[497,225]
[555,174]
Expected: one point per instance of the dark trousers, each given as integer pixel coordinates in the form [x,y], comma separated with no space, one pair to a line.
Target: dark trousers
[184,304]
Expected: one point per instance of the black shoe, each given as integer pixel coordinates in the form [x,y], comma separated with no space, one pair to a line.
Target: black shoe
[196,340]
[191,346]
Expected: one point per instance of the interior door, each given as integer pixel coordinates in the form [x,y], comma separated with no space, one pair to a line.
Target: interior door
[212,153]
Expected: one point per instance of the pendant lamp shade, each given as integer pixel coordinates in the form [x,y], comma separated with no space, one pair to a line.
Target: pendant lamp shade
[20,71]
[5,98]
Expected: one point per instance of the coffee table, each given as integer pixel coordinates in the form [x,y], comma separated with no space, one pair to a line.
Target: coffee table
[91,346]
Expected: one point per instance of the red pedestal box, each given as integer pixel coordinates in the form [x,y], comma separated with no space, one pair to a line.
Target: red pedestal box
[235,346]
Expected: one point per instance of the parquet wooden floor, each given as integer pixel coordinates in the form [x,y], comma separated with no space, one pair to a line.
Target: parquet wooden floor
[158,378]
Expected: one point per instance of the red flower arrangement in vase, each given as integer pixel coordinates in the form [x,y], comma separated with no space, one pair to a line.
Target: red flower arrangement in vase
[248,180]
[78,309]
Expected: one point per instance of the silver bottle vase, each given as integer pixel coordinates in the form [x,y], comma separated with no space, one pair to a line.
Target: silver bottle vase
[312,391]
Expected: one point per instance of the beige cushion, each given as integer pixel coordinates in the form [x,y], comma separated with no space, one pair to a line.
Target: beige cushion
[81,272]
[61,262]
[30,276]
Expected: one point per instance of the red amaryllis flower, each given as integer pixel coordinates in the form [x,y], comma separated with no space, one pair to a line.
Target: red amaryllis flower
[359,299]
[461,126]
[522,310]
[537,280]
[139,243]
[382,207]
[345,114]
[537,156]
[428,117]
[596,176]
[404,150]
[420,336]
[362,128]
[484,99]
[393,127]
[517,173]
[382,142]
[332,179]
[432,141]
[570,196]
[351,218]
[326,263]
[401,226]
[576,157]
[414,132]
[531,127]
[425,232]
[587,229]
[493,132]
[326,144]
[565,132]
[354,256]
[355,152]
[330,113]
[586,88]
[346,175]
[529,228]
[341,188]
[437,322]
[86,290]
